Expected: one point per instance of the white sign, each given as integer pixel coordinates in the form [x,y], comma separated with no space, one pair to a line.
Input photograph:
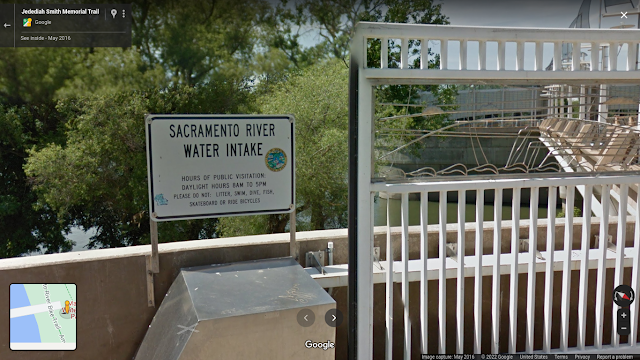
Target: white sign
[203,166]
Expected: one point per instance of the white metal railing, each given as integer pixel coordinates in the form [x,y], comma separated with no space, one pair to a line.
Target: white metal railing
[571,258]
[593,38]
[362,196]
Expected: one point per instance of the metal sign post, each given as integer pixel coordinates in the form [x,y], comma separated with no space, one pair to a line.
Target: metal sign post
[152,263]
[293,245]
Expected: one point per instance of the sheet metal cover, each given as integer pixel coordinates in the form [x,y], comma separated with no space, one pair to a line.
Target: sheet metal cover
[252,287]
[169,331]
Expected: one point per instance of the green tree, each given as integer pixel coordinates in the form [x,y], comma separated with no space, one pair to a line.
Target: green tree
[318,98]
[286,27]
[98,178]
[25,224]
[33,75]
[201,40]
[319,208]
[337,18]
[174,42]
[110,70]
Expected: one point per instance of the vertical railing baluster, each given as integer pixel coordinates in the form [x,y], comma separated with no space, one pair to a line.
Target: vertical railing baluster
[602,256]
[583,102]
[368,319]
[501,55]
[549,270]
[603,107]
[463,54]
[566,269]
[531,276]
[405,275]
[561,101]
[520,55]
[444,54]
[570,107]
[404,55]
[442,284]
[384,53]
[460,281]
[595,56]
[497,251]
[618,273]
[513,292]
[575,56]
[613,56]
[389,286]
[482,55]
[424,254]
[635,273]
[632,56]
[477,307]
[557,56]
[424,54]
[584,267]
[539,54]
[364,55]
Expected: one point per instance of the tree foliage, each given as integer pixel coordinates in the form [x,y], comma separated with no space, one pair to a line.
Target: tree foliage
[336,19]
[33,75]
[25,224]
[318,98]
[72,146]
[98,178]
[199,41]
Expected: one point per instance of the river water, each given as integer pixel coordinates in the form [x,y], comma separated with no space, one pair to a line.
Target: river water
[78,236]
[81,238]
[380,212]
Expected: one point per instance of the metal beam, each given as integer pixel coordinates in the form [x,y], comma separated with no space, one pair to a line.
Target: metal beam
[352,304]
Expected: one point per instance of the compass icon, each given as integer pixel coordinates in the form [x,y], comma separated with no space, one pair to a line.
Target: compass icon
[623,295]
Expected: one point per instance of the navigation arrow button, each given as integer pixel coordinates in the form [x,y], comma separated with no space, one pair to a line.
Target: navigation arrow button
[333,317]
[306,317]
[6,25]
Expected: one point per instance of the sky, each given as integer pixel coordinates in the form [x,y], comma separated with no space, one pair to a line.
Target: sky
[528,13]
[520,13]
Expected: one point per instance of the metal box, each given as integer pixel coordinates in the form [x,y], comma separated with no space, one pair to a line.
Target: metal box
[246,310]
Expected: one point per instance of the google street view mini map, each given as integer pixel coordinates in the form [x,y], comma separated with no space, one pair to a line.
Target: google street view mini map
[42,316]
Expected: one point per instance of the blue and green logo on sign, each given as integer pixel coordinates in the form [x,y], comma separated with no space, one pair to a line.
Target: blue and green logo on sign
[276,159]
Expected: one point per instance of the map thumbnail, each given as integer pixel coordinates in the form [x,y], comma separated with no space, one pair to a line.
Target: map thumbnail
[42,317]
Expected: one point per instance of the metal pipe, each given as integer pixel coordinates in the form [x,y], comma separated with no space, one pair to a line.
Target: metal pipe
[330,260]
[352,305]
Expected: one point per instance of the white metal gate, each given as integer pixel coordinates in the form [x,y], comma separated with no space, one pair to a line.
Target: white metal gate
[581,257]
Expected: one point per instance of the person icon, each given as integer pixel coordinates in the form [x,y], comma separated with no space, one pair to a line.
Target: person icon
[66,307]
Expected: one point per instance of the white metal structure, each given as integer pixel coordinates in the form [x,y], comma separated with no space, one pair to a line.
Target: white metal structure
[476,264]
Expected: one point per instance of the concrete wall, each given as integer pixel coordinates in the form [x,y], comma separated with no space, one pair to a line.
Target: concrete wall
[112,303]
[113,314]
